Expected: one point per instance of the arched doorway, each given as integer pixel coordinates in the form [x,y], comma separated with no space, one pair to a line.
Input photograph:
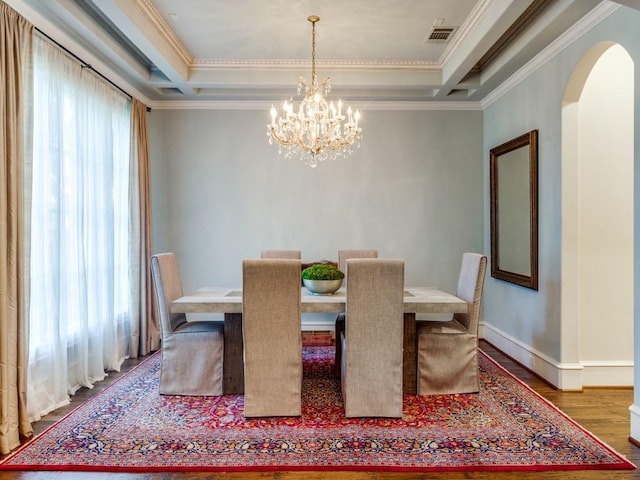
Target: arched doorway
[597,217]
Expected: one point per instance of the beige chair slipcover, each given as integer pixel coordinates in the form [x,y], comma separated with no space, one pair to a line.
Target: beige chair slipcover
[192,352]
[271,330]
[372,342]
[448,351]
[294,254]
[343,256]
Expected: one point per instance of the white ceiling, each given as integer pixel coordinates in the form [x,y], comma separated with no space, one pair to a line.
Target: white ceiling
[169,51]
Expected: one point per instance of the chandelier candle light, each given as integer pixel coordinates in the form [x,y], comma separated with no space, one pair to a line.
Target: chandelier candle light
[317,132]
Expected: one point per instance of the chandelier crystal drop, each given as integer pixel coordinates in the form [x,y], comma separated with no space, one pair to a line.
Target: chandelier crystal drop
[319,130]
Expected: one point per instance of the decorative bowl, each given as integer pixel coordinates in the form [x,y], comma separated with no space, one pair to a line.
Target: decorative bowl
[322,287]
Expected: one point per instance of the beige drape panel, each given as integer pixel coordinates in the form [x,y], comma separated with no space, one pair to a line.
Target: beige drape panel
[145,330]
[15,51]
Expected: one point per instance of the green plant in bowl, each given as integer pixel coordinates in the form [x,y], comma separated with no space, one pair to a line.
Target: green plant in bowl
[322,271]
[322,279]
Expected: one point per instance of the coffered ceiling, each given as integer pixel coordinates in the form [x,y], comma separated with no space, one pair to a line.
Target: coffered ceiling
[190,51]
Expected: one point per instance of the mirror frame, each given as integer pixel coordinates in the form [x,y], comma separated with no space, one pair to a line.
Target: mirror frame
[530,141]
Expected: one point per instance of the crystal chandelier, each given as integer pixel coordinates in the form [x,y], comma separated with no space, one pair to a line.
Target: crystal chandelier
[317,132]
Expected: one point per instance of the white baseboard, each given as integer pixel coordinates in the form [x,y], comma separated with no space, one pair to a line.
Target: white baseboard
[607,374]
[318,322]
[635,423]
[565,376]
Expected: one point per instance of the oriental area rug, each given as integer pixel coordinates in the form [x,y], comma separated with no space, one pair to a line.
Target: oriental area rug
[129,427]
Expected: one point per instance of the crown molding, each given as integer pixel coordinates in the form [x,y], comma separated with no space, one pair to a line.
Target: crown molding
[531,12]
[151,13]
[476,15]
[589,21]
[286,64]
[266,105]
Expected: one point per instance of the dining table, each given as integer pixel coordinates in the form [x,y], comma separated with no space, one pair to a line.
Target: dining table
[417,300]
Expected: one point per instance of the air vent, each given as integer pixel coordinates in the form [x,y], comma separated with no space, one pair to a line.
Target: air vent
[440,34]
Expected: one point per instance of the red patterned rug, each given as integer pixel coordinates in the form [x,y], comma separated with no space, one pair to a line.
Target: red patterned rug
[130,427]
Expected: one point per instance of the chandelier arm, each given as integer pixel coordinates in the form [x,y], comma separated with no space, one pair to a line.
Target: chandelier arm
[299,141]
[278,138]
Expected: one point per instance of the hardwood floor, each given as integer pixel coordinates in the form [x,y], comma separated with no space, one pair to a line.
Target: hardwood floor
[602,411]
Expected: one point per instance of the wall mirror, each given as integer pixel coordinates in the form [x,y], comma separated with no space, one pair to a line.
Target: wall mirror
[514,210]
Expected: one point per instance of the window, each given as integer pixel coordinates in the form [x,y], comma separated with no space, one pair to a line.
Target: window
[79,241]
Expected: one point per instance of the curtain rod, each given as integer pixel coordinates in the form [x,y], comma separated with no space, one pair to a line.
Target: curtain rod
[85,64]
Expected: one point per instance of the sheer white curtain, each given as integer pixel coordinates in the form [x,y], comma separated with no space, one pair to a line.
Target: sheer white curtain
[79,263]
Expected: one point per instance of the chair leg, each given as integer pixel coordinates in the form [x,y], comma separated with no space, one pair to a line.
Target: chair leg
[337,371]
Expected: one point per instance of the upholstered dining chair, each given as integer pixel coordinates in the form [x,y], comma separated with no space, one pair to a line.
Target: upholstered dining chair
[271,330]
[343,256]
[192,352]
[371,377]
[294,254]
[448,351]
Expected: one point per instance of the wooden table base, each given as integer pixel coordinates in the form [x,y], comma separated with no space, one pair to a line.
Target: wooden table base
[409,360]
[233,367]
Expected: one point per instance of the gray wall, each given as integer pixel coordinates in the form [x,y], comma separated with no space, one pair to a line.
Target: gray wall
[221,193]
[417,189]
[534,318]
